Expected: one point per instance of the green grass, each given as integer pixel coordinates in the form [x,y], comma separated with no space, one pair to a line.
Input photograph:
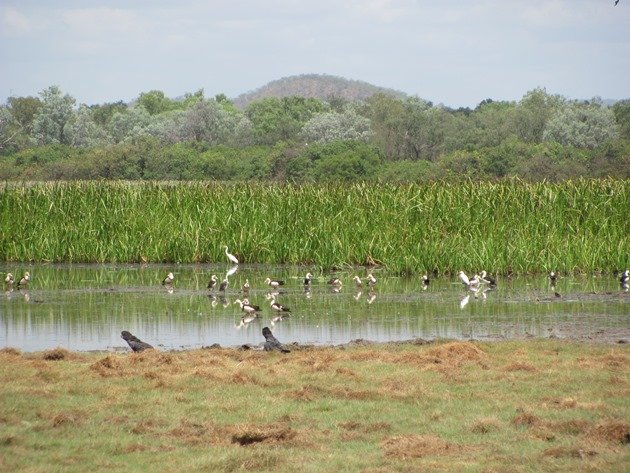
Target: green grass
[514,406]
[511,226]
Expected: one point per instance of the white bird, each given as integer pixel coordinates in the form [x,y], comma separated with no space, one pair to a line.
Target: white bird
[469,283]
[9,280]
[247,307]
[212,282]
[487,279]
[371,279]
[335,282]
[371,297]
[425,281]
[168,280]
[552,278]
[230,256]
[25,280]
[625,277]
[357,281]
[307,279]
[275,283]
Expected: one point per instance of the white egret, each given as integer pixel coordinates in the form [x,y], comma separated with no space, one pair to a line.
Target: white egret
[230,256]
[371,280]
[469,283]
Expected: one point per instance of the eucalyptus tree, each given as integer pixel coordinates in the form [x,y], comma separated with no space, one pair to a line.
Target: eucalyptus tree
[82,131]
[332,126]
[50,121]
[583,125]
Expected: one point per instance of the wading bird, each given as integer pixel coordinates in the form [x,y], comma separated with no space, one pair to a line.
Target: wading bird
[624,279]
[23,282]
[230,256]
[168,280]
[213,281]
[9,280]
[371,280]
[425,281]
[272,343]
[275,283]
[357,281]
[245,287]
[335,282]
[134,342]
[246,306]
[552,278]
[224,285]
[307,279]
[487,279]
[469,283]
[278,307]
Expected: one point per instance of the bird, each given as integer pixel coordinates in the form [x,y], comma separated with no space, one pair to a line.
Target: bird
[307,279]
[335,282]
[9,280]
[212,282]
[224,285]
[23,282]
[230,256]
[168,280]
[275,283]
[552,278]
[357,281]
[134,342]
[278,307]
[487,279]
[272,343]
[623,280]
[616,2]
[469,283]
[245,287]
[246,306]
[247,319]
[371,280]
[425,281]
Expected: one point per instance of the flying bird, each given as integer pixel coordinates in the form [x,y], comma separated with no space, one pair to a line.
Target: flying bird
[230,256]
[272,343]
[134,342]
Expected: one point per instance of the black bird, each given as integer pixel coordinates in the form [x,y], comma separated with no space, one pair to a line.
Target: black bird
[212,282]
[168,280]
[307,279]
[275,283]
[425,281]
[224,285]
[134,342]
[272,342]
[616,2]
[625,277]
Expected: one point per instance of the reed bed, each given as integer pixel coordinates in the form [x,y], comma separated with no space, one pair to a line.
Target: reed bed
[510,226]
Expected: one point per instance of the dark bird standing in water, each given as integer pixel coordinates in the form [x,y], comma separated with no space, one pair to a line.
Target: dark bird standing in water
[272,342]
[134,342]
[23,283]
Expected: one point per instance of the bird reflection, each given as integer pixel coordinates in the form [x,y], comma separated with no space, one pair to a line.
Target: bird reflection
[464,302]
[231,271]
[371,297]
[357,295]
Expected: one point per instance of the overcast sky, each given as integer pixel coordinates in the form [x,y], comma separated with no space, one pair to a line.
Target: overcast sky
[452,52]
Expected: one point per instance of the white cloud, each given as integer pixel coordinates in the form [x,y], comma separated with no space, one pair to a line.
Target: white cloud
[94,21]
[14,23]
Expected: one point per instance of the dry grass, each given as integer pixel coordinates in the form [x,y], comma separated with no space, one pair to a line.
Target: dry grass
[450,406]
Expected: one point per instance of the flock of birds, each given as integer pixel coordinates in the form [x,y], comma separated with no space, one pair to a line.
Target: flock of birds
[478,284]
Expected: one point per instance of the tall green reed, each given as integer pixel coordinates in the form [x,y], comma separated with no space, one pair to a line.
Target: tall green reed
[510,226]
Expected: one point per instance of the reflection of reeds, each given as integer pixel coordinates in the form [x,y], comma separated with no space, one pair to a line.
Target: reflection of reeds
[502,227]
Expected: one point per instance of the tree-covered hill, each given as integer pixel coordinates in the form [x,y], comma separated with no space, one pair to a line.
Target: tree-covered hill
[318,86]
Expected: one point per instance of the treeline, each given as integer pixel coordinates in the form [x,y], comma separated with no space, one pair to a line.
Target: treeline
[382,138]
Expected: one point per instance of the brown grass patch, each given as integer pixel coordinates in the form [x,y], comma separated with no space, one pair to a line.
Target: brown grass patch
[108,366]
[246,434]
[417,446]
[9,351]
[152,356]
[195,433]
[305,393]
[366,428]
[486,425]
[446,356]
[520,366]
[568,452]
[526,419]
[57,354]
[615,431]
[64,418]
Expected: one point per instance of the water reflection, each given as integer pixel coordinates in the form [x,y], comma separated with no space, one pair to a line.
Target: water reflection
[85,307]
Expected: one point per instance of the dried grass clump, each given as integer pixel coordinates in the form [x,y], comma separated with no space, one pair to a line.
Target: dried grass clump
[10,351]
[616,431]
[151,356]
[526,419]
[445,356]
[57,354]
[246,434]
[64,418]
[108,366]
[486,425]
[417,446]
[568,452]
[519,366]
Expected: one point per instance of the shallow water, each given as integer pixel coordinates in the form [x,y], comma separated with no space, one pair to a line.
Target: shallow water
[85,307]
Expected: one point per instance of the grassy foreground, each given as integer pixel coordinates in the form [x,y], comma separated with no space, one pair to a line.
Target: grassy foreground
[501,227]
[450,406]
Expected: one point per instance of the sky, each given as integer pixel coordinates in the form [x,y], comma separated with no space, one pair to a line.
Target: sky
[457,53]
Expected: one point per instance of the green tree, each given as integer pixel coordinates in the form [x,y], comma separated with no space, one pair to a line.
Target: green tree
[621,110]
[333,126]
[582,125]
[155,102]
[82,131]
[50,121]
[533,112]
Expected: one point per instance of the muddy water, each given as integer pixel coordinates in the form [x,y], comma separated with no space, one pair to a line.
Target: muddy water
[85,307]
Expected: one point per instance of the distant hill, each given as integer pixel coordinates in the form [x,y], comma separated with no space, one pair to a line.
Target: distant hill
[320,86]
